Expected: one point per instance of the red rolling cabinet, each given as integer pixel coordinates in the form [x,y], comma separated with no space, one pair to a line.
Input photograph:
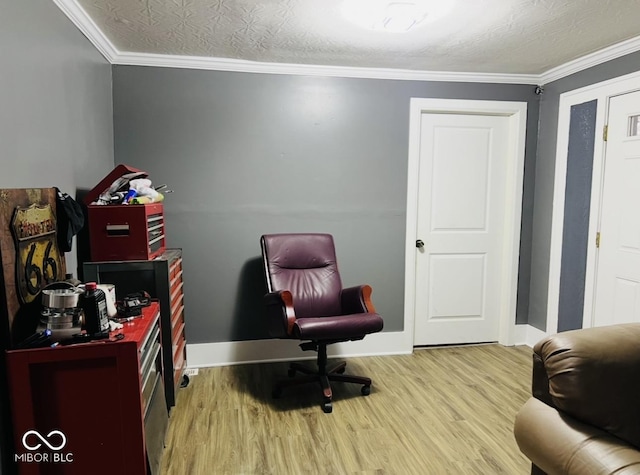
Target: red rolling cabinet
[92,408]
[162,278]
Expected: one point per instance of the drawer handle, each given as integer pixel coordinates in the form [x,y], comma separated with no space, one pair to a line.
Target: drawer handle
[117,229]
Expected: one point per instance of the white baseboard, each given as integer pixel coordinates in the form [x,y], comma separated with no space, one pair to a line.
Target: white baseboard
[202,355]
[528,335]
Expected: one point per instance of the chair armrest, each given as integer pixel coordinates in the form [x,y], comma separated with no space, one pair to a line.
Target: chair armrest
[357,300]
[280,313]
[593,376]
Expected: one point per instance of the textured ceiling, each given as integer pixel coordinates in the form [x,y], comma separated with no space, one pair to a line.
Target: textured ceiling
[478,36]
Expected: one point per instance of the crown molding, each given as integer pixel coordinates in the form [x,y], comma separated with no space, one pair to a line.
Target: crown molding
[593,59]
[238,65]
[86,25]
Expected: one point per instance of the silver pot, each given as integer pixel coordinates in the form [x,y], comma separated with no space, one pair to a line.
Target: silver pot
[61,310]
[61,298]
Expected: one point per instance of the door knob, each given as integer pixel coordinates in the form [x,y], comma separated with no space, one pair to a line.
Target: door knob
[419,243]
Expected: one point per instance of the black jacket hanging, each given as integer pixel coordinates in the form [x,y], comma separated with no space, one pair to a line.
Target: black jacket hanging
[70,219]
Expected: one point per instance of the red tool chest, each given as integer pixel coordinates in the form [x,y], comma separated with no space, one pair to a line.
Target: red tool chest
[124,232]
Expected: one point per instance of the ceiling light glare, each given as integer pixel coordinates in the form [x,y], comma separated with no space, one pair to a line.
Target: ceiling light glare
[394,15]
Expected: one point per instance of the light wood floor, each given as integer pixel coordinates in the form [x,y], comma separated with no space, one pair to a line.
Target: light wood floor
[438,411]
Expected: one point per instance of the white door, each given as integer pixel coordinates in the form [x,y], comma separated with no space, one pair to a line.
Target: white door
[617,294]
[463,166]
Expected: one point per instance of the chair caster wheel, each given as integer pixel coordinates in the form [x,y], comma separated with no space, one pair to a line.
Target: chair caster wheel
[365,390]
[276,393]
[327,407]
[185,381]
[291,373]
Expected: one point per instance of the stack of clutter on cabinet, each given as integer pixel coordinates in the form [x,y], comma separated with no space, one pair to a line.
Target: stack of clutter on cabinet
[126,217]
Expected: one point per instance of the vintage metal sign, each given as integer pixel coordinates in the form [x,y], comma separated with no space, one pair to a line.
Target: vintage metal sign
[38,260]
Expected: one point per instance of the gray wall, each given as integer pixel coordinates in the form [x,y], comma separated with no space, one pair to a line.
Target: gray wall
[55,115]
[582,133]
[249,154]
[56,119]
[545,171]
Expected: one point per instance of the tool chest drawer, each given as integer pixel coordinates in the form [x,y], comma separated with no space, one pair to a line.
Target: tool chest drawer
[123,231]
[126,232]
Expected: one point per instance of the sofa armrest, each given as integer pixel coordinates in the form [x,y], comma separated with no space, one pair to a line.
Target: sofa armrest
[593,376]
[559,444]
[540,382]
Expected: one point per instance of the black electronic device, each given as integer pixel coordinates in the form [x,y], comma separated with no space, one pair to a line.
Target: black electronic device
[132,304]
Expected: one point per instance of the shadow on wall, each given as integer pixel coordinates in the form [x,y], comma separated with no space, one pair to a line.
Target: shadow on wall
[249,315]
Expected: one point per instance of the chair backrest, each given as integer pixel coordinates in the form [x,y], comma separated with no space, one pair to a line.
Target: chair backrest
[305,265]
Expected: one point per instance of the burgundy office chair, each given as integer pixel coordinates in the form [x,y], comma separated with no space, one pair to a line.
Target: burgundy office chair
[306,301]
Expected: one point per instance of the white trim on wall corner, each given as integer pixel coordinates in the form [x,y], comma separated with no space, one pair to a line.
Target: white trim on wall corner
[593,59]
[202,355]
[86,25]
[239,65]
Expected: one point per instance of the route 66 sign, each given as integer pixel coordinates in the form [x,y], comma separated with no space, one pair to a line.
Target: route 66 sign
[37,256]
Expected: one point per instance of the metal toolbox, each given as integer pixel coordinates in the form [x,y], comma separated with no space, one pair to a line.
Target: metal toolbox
[124,232]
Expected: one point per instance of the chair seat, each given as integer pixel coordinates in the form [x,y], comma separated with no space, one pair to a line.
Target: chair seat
[339,327]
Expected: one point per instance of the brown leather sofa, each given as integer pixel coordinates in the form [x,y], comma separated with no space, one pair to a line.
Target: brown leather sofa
[584,416]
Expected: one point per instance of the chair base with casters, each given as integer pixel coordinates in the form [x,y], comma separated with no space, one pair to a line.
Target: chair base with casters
[305,301]
[322,376]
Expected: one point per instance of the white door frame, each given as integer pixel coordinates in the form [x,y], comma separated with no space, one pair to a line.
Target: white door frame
[517,113]
[601,92]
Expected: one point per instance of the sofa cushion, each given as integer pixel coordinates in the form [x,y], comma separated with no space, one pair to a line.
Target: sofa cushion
[593,376]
